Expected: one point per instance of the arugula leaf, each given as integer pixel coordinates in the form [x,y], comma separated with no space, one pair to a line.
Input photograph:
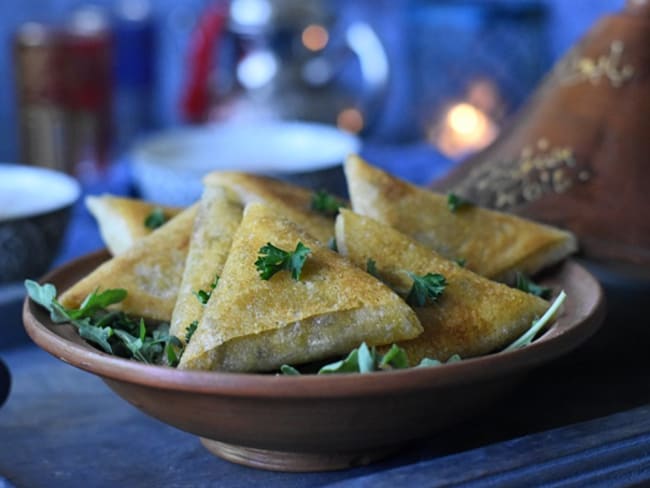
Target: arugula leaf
[111,330]
[98,335]
[96,301]
[428,362]
[289,370]
[133,344]
[348,365]
[537,325]
[427,288]
[44,295]
[395,358]
[455,202]
[523,283]
[367,360]
[155,219]
[326,203]
[204,295]
[273,259]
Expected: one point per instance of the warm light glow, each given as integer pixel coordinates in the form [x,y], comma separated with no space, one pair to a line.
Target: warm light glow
[463,130]
[315,37]
[351,120]
[466,120]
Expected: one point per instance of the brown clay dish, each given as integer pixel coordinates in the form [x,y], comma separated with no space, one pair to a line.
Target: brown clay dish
[306,423]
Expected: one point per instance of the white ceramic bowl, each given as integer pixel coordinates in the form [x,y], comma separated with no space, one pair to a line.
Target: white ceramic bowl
[168,167]
[35,208]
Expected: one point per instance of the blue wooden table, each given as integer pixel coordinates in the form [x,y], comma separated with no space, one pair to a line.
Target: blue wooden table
[583,420]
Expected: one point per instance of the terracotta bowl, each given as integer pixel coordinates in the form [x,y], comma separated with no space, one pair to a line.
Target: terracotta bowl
[307,423]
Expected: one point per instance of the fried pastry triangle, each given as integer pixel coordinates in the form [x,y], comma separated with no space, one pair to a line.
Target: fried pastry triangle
[121,220]
[219,215]
[473,316]
[251,324]
[150,271]
[294,202]
[493,244]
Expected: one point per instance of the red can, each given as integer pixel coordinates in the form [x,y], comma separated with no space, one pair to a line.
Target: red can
[85,64]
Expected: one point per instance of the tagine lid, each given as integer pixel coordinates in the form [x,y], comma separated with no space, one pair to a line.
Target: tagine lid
[578,154]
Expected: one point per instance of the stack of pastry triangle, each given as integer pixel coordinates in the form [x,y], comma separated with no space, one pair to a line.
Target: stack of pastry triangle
[150,271]
[121,220]
[218,217]
[493,244]
[292,201]
[251,324]
[473,316]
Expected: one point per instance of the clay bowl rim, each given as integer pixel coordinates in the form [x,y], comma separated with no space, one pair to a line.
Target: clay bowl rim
[560,338]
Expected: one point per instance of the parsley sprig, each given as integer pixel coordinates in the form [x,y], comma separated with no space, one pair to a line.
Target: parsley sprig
[155,219]
[455,202]
[326,203]
[204,295]
[111,330]
[272,259]
[425,289]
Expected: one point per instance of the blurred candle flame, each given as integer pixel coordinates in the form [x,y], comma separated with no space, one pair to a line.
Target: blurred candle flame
[464,129]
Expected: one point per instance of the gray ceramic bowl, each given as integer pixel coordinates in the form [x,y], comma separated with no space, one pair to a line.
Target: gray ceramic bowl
[35,206]
[169,167]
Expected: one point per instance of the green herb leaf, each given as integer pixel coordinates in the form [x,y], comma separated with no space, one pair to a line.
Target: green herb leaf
[173,350]
[155,219]
[371,268]
[461,262]
[425,289]
[289,370]
[44,295]
[98,335]
[455,202]
[395,358]
[111,330]
[538,325]
[204,295]
[428,362]
[348,365]
[273,259]
[97,301]
[191,329]
[331,243]
[366,359]
[133,344]
[326,203]
[523,283]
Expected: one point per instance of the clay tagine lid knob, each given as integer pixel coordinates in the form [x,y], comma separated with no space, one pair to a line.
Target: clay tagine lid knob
[638,7]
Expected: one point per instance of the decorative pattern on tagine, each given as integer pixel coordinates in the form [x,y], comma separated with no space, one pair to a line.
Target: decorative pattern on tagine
[539,170]
[577,69]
